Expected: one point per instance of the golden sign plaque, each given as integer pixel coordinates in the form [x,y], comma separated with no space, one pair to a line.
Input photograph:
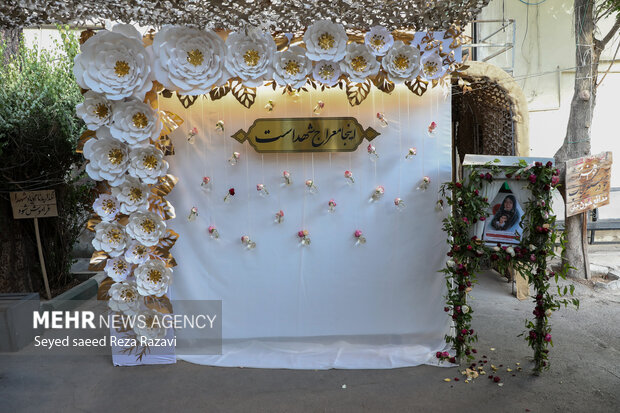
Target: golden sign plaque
[305,134]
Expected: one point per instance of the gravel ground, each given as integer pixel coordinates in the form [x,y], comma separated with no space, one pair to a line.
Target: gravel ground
[584,375]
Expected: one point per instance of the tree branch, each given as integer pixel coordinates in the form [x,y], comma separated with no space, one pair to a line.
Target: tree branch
[602,43]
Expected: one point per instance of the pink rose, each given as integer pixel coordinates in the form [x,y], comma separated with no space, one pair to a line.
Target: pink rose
[532,178]
[358,233]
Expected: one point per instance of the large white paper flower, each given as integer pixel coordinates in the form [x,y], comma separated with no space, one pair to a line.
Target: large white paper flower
[149,325]
[431,66]
[124,297]
[147,163]
[117,268]
[325,41]
[135,122]
[132,195]
[108,158]
[188,60]
[402,62]
[379,40]
[115,63]
[107,207]
[110,237]
[359,63]
[153,278]
[146,227]
[95,111]
[136,253]
[291,67]
[250,56]
[326,72]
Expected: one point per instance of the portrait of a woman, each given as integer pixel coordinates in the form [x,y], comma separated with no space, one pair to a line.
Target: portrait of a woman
[507,215]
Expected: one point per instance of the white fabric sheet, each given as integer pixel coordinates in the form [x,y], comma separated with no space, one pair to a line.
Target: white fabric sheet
[331,304]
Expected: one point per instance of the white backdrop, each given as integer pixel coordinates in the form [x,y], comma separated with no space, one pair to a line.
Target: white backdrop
[331,304]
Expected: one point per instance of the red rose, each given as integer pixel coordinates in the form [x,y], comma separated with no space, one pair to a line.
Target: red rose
[458,185]
[476,192]
[496,379]
[532,178]
[231,191]
[453,360]
[549,164]
[438,354]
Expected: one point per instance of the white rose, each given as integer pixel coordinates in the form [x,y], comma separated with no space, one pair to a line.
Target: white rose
[496,248]
[532,247]
[117,268]
[250,56]
[291,67]
[147,163]
[402,62]
[431,66]
[510,251]
[153,278]
[135,122]
[379,40]
[326,72]
[136,253]
[107,207]
[132,195]
[325,40]
[95,111]
[359,63]
[145,227]
[188,60]
[465,309]
[108,158]
[124,298]
[110,237]
[115,63]
[150,325]
[450,263]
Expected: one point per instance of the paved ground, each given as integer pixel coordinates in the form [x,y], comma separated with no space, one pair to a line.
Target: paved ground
[585,374]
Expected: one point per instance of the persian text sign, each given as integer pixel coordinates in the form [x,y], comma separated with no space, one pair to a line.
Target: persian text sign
[587,183]
[306,134]
[34,204]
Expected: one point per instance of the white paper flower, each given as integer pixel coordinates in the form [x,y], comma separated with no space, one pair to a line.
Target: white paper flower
[402,62]
[325,41]
[291,67]
[110,237]
[136,253]
[135,122]
[108,158]
[149,325]
[188,60]
[153,278]
[132,195]
[124,297]
[379,40]
[115,63]
[107,207]
[145,227]
[147,163]
[117,268]
[431,66]
[250,56]
[326,72]
[95,111]
[359,63]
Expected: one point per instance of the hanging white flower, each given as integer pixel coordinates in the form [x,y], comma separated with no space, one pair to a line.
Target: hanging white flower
[149,325]
[291,67]
[379,40]
[136,253]
[132,195]
[147,163]
[153,278]
[95,111]
[187,60]
[431,66]
[115,63]
[326,72]
[359,63]
[402,62]
[325,41]
[117,268]
[146,227]
[124,297]
[135,122]
[108,158]
[107,207]
[250,56]
[110,237]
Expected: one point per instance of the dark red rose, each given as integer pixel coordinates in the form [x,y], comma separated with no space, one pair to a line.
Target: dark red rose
[469,248]
[476,192]
[539,164]
[549,164]
[546,187]
[473,350]
[483,218]
[496,379]
[446,309]
[458,185]
[532,178]
[508,176]
[456,378]
[464,331]
[481,175]
[453,360]
[231,191]
[438,354]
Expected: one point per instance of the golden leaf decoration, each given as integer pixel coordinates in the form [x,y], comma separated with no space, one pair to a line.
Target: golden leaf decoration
[160,304]
[92,222]
[161,207]
[449,59]
[164,144]
[97,261]
[162,249]
[219,92]
[104,287]
[171,121]
[164,185]
[244,95]
[151,95]
[167,93]
[357,92]
[418,87]
[187,100]
[86,34]
[88,134]
[383,83]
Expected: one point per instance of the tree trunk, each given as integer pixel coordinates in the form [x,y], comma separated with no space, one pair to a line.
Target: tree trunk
[11,37]
[577,140]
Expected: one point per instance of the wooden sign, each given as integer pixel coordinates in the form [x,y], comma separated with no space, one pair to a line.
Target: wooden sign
[34,204]
[305,134]
[588,180]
